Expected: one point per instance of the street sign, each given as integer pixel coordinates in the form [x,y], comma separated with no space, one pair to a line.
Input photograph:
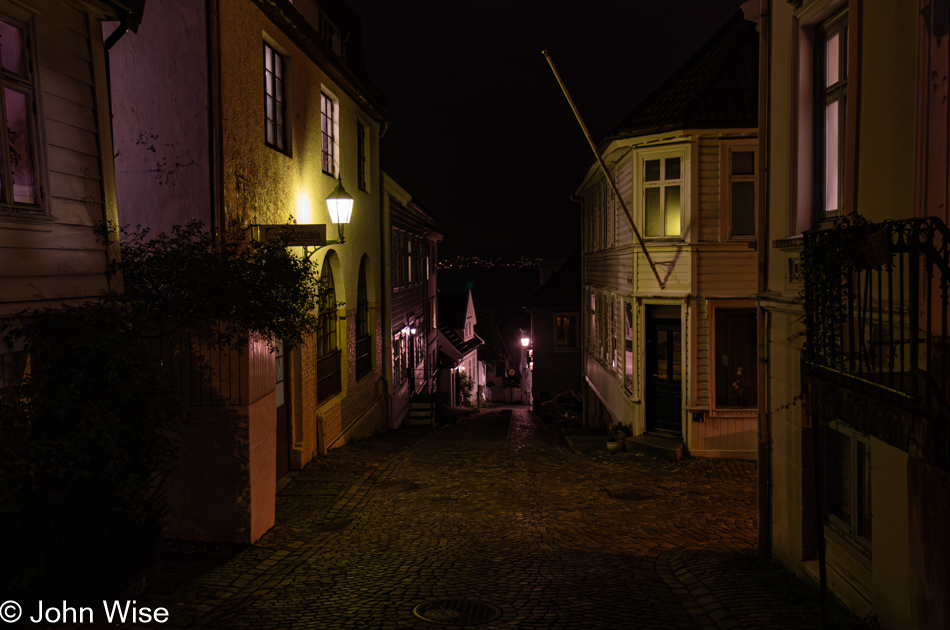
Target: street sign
[308,235]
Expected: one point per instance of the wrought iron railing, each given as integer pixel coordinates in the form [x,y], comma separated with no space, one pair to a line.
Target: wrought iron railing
[890,327]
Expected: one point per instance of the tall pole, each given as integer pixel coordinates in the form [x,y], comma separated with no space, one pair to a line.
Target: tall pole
[600,160]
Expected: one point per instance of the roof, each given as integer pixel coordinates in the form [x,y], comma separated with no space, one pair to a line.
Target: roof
[562,290]
[453,307]
[716,87]
[455,340]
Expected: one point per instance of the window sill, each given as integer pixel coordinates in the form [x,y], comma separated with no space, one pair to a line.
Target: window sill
[32,215]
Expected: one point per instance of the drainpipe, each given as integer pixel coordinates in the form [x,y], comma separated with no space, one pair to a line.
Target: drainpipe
[386,293]
[215,149]
[762,331]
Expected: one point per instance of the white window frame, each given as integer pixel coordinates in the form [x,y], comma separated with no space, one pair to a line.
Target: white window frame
[283,143]
[325,97]
[837,93]
[725,187]
[682,151]
[712,308]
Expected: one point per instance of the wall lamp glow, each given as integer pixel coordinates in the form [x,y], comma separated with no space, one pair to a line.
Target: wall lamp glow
[340,205]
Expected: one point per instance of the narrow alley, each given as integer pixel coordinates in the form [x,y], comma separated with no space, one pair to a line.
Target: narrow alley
[495,515]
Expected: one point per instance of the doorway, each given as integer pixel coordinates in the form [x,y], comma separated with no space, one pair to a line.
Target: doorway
[284,432]
[664,369]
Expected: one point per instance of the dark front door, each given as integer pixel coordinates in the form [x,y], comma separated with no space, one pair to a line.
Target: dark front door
[664,399]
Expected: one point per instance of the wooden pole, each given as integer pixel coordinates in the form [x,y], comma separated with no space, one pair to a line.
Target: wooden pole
[600,160]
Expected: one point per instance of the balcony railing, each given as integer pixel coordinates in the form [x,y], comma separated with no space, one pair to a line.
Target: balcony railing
[890,328]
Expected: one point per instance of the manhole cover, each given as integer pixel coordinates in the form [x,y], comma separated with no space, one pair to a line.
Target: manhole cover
[632,495]
[393,487]
[457,612]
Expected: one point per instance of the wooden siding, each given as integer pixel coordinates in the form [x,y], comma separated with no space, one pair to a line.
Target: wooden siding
[46,262]
[724,437]
[554,370]
[707,205]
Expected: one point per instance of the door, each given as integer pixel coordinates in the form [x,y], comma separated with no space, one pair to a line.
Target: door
[664,363]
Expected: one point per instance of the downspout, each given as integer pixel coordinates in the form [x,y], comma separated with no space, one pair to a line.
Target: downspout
[215,149]
[762,330]
[385,281]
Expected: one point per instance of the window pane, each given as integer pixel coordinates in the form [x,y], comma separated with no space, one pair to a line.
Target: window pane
[832,62]
[662,355]
[628,346]
[864,490]
[672,210]
[743,208]
[654,214]
[831,157]
[651,171]
[672,168]
[11,49]
[743,162]
[839,476]
[268,58]
[734,358]
[21,159]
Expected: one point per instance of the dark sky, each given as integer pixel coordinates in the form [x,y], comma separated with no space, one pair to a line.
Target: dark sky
[481,133]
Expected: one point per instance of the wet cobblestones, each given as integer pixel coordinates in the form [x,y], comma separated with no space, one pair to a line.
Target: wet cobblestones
[491,509]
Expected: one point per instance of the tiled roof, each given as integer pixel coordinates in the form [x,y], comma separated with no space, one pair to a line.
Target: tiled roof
[562,290]
[462,347]
[716,87]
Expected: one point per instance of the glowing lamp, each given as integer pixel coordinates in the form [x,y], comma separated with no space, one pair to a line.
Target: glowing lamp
[524,342]
[340,205]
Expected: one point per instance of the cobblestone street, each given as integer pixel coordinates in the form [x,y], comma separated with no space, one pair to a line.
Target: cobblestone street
[490,509]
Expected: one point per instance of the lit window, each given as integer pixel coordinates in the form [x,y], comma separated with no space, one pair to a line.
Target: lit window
[663,182]
[275,135]
[328,124]
[18,185]
[831,73]
[738,191]
[565,332]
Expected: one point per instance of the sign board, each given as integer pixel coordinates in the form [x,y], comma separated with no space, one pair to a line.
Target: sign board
[308,235]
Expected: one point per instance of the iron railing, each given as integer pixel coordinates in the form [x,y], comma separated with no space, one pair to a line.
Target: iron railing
[890,328]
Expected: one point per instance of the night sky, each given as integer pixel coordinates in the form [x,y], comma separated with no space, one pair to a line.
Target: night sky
[481,133]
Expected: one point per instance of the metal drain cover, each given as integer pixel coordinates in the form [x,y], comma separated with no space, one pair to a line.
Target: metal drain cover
[393,487]
[632,495]
[457,612]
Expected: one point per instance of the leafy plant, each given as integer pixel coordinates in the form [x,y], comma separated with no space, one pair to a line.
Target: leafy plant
[617,431]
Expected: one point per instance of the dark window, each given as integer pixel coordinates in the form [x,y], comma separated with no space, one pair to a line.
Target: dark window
[328,140]
[364,361]
[328,354]
[18,185]
[734,356]
[742,193]
[848,483]
[566,331]
[275,134]
[361,156]
[831,74]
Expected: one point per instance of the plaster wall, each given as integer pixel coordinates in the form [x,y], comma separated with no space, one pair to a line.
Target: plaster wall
[160,118]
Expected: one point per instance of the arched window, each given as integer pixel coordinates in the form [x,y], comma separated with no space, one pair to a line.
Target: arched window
[364,344]
[328,354]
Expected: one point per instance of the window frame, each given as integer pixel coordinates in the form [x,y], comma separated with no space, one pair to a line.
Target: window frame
[838,24]
[714,308]
[570,347]
[662,153]
[282,100]
[849,532]
[28,85]
[727,178]
[326,342]
[329,134]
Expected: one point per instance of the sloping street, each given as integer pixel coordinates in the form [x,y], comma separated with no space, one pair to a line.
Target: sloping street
[489,510]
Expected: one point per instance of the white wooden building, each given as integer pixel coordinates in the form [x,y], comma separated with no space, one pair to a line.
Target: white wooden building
[675,356]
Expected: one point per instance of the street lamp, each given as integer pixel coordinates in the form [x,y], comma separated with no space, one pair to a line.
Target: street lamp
[525,341]
[340,205]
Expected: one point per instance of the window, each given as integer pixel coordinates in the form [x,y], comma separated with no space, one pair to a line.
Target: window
[328,354]
[361,156]
[831,73]
[663,181]
[328,122]
[400,359]
[19,190]
[738,191]
[733,353]
[628,345]
[275,135]
[848,483]
[329,34]
[364,344]
[565,335]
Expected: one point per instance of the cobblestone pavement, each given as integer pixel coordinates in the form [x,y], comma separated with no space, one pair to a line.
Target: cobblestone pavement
[490,509]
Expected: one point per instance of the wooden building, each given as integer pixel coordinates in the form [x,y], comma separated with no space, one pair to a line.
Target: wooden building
[248,112]
[671,353]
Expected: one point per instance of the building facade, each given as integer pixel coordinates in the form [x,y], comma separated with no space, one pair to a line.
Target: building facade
[854,488]
[57,181]
[240,113]
[669,349]
[413,252]
[458,365]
